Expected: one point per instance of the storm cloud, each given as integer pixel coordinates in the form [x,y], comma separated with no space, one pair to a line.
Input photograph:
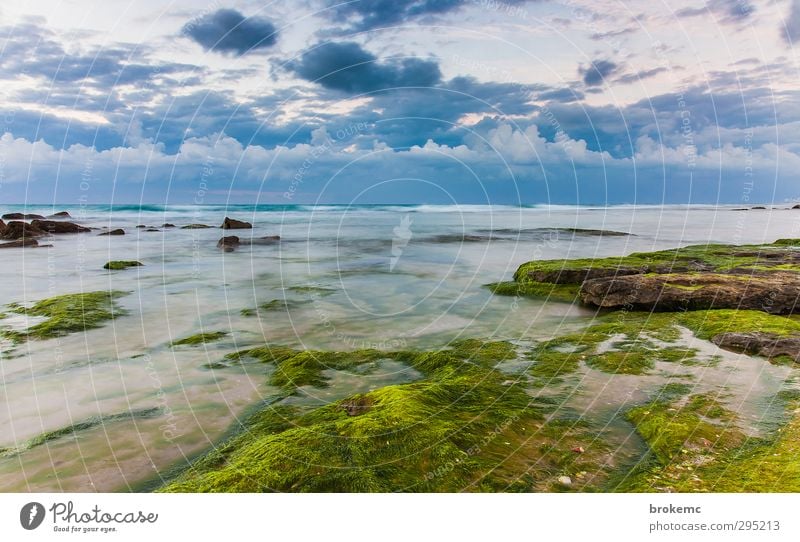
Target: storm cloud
[349,68]
[228,31]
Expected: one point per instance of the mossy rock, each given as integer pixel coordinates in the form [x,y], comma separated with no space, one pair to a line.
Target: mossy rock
[200,338]
[68,313]
[117,265]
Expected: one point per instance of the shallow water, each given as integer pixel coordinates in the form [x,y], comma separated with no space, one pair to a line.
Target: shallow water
[401,277]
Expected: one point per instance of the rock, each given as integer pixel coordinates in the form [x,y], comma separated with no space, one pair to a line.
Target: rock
[167,225]
[578,449]
[740,209]
[118,265]
[769,345]
[141,226]
[62,214]
[152,229]
[21,216]
[229,243]
[356,406]
[2,227]
[576,276]
[195,227]
[52,226]
[269,240]
[775,292]
[565,480]
[233,224]
[118,231]
[758,208]
[20,230]
[796,206]
[20,243]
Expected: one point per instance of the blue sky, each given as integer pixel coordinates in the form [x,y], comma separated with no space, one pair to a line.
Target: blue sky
[405,101]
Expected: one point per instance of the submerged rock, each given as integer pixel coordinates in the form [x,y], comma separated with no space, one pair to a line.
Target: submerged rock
[118,231]
[769,345]
[20,243]
[268,240]
[233,224]
[229,243]
[196,227]
[774,293]
[167,225]
[52,226]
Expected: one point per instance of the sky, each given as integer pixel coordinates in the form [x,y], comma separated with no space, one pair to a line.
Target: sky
[400,101]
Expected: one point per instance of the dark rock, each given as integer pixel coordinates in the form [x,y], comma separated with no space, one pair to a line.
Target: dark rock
[758,208]
[20,243]
[774,293]
[576,276]
[152,229]
[141,226]
[2,227]
[196,227]
[229,243]
[233,224]
[118,231]
[52,226]
[20,216]
[796,206]
[740,209]
[356,406]
[20,230]
[769,345]
[167,225]
[62,214]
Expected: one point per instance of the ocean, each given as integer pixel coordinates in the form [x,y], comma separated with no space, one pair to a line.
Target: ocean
[342,278]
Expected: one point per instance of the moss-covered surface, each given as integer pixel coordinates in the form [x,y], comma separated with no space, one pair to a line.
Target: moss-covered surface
[117,265]
[272,306]
[567,293]
[696,446]
[200,338]
[66,314]
[462,427]
[72,430]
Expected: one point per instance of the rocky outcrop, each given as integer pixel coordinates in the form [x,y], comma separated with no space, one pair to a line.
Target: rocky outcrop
[167,225]
[769,345]
[233,224]
[774,293]
[796,206]
[118,231]
[20,230]
[21,216]
[61,214]
[58,227]
[229,243]
[20,243]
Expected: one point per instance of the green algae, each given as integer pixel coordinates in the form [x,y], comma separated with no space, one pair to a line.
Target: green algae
[117,265]
[462,427]
[200,338]
[67,313]
[272,306]
[74,429]
[567,293]
[698,448]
